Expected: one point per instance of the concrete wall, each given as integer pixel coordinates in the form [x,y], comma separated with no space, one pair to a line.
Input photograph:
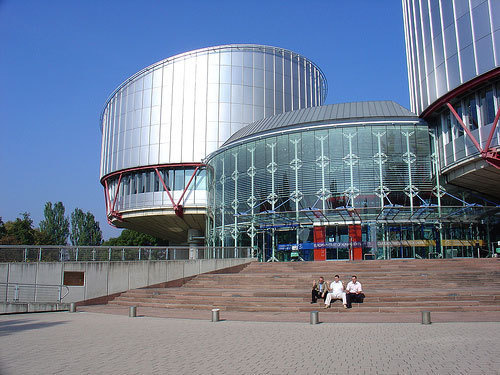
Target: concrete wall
[17,308]
[106,278]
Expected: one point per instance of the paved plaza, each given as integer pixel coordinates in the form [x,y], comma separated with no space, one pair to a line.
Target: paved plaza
[93,343]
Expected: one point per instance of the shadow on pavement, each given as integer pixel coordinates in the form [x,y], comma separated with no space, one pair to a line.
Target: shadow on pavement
[13,326]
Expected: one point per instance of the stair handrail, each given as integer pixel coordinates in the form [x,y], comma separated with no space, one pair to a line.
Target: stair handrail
[62,290]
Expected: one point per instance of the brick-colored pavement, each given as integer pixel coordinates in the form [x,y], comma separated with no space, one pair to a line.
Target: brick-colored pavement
[327,316]
[92,343]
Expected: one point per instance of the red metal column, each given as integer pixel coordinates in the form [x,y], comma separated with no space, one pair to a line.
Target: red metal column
[355,240]
[319,238]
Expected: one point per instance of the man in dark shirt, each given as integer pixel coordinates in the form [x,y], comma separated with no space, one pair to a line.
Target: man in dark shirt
[319,290]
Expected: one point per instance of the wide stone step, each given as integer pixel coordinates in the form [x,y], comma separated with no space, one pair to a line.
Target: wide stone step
[294,303]
[267,308]
[366,286]
[400,286]
[281,301]
[385,294]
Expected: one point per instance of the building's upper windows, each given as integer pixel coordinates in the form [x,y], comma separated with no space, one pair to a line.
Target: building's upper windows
[471,113]
[458,131]
[487,106]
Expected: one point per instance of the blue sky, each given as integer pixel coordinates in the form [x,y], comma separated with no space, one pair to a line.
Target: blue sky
[60,60]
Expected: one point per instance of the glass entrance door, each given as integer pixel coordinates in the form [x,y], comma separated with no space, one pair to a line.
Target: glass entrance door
[337,241]
[400,245]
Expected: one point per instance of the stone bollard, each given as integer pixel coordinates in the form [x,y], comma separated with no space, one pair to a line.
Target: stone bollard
[72,307]
[215,315]
[314,317]
[132,312]
[426,317]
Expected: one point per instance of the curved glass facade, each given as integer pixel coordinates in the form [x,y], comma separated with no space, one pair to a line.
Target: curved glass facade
[448,42]
[288,175]
[159,125]
[477,111]
[182,108]
[145,189]
[370,185]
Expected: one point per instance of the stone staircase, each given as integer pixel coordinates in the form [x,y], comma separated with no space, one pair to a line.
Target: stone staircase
[390,286]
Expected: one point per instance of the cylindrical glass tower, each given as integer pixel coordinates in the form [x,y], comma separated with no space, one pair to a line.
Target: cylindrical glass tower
[159,124]
[448,43]
[453,53]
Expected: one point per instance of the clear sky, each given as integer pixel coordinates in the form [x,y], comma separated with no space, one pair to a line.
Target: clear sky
[61,59]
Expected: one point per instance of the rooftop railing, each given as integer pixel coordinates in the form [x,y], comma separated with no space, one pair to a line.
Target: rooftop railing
[24,253]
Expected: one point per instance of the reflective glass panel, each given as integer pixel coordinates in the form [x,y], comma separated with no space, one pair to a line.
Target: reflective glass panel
[464,31]
[179,179]
[237,75]
[480,18]
[237,58]
[484,54]
[471,113]
[487,107]
[468,63]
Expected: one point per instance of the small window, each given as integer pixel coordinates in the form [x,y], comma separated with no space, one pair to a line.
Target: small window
[458,131]
[179,179]
[156,182]
[148,176]
[487,107]
[72,278]
[471,113]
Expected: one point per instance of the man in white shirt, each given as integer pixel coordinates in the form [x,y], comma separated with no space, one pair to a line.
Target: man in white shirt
[336,292]
[354,292]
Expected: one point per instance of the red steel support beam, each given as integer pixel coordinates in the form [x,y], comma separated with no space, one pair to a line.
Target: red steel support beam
[165,187]
[178,209]
[492,131]
[106,194]
[470,85]
[110,212]
[492,157]
[116,194]
[459,119]
[106,201]
[187,186]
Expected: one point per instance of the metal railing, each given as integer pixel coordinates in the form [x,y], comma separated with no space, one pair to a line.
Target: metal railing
[24,253]
[21,292]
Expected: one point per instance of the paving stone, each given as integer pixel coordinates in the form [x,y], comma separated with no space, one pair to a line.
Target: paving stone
[91,343]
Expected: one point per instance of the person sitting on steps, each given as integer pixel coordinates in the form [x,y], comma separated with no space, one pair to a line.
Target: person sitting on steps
[336,292]
[319,289]
[354,292]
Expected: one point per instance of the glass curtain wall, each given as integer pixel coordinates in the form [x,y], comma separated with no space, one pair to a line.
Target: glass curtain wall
[477,111]
[274,190]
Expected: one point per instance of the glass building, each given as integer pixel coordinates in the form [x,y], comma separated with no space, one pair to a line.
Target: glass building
[343,181]
[453,53]
[234,145]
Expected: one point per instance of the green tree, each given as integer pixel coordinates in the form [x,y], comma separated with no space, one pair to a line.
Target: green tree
[3,231]
[42,238]
[55,224]
[19,231]
[132,238]
[85,231]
